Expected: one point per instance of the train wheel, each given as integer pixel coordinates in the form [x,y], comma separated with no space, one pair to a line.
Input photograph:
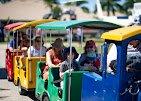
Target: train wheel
[45,98]
[21,90]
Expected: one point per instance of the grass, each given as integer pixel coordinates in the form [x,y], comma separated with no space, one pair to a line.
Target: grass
[79,47]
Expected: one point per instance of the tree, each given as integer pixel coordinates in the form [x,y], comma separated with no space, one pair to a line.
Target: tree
[128,5]
[137,0]
[4,1]
[80,3]
[55,10]
[111,6]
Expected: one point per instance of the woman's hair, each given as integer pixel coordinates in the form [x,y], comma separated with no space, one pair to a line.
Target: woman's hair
[66,51]
[89,44]
[37,37]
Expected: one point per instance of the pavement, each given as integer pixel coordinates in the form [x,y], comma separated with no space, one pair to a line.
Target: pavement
[8,91]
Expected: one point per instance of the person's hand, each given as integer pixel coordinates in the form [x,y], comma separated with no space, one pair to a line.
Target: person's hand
[89,67]
[67,71]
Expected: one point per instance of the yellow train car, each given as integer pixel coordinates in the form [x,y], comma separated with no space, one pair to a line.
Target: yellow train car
[25,66]
[26,73]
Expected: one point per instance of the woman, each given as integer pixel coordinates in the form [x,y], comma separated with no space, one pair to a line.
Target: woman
[53,56]
[24,41]
[89,59]
[37,49]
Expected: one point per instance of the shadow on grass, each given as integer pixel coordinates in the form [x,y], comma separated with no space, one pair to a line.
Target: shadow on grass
[3,74]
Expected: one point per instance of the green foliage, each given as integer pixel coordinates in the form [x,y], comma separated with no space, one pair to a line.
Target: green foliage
[79,3]
[85,9]
[128,5]
[111,6]
[57,12]
[137,0]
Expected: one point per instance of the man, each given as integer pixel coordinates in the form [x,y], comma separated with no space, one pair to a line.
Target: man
[133,56]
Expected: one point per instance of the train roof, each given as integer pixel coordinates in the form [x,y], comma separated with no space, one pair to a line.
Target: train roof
[122,33]
[33,23]
[62,25]
[13,25]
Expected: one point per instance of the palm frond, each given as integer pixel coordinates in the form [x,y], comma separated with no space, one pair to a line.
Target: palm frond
[85,9]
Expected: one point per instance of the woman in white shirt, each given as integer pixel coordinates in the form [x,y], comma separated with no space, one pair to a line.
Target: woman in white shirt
[37,49]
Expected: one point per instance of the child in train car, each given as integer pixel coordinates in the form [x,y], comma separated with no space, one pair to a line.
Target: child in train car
[15,42]
[24,45]
[65,65]
[89,60]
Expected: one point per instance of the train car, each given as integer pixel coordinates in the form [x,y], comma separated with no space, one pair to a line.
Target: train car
[25,66]
[122,84]
[10,54]
[49,90]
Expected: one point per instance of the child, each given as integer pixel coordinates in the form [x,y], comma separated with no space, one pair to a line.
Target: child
[65,64]
[89,60]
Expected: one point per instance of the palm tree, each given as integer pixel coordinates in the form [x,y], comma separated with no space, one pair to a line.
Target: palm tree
[111,6]
[85,9]
[128,5]
[55,10]
[4,1]
[137,0]
[79,3]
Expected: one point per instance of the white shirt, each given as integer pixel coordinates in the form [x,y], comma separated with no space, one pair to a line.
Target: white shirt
[34,52]
[79,31]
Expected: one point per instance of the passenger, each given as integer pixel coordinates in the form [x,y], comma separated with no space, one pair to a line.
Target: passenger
[89,59]
[24,44]
[24,48]
[15,42]
[24,41]
[79,34]
[65,64]
[37,49]
[53,56]
[133,57]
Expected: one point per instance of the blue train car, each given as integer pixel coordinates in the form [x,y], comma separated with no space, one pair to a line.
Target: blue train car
[123,84]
